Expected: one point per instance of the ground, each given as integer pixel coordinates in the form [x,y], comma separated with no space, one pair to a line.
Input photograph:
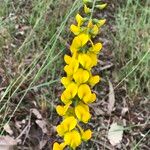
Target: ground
[34,36]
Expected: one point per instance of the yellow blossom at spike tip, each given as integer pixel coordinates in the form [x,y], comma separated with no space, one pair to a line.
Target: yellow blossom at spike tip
[58,146]
[86,9]
[69,93]
[73,139]
[100,22]
[85,94]
[93,29]
[79,78]
[79,20]
[102,6]
[67,125]
[82,112]
[86,135]
[78,42]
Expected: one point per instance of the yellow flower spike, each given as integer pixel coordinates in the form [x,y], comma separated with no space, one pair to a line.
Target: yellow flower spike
[81,76]
[85,94]
[94,80]
[69,93]
[82,112]
[75,29]
[85,60]
[79,20]
[96,48]
[61,110]
[67,125]
[66,81]
[86,9]
[86,135]
[78,42]
[102,6]
[58,146]
[73,139]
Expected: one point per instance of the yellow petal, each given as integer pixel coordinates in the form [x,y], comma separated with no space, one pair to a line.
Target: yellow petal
[95,30]
[66,81]
[86,135]
[93,57]
[75,29]
[82,112]
[69,123]
[94,80]
[61,110]
[85,60]
[83,90]
[78,42]
[86,9]
[90,98]
[57,146]
[101,22]
[96,48]
[79,20]
[60,130]
[67,59]
[81,76]
[102,6]
[73,139]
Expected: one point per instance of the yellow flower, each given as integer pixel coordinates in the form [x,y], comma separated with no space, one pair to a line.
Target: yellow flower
[85,94]
[93,57]
[85,60]
[73,139]
[100,22]
[94,80]
[66,81]
[68,59]
[82,112]
[71,68]
[78,42]
[96,48]
[86,9]
[93,29]
[61,110]
[67,125]
[75,29]
[81,76]
[86,135]
[79,20]
[58,146]
[102,6]
[69,93]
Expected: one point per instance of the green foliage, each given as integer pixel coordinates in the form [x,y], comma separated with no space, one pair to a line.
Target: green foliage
[132,45]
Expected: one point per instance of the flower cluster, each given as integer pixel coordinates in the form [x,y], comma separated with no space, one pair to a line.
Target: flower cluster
[79,80]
